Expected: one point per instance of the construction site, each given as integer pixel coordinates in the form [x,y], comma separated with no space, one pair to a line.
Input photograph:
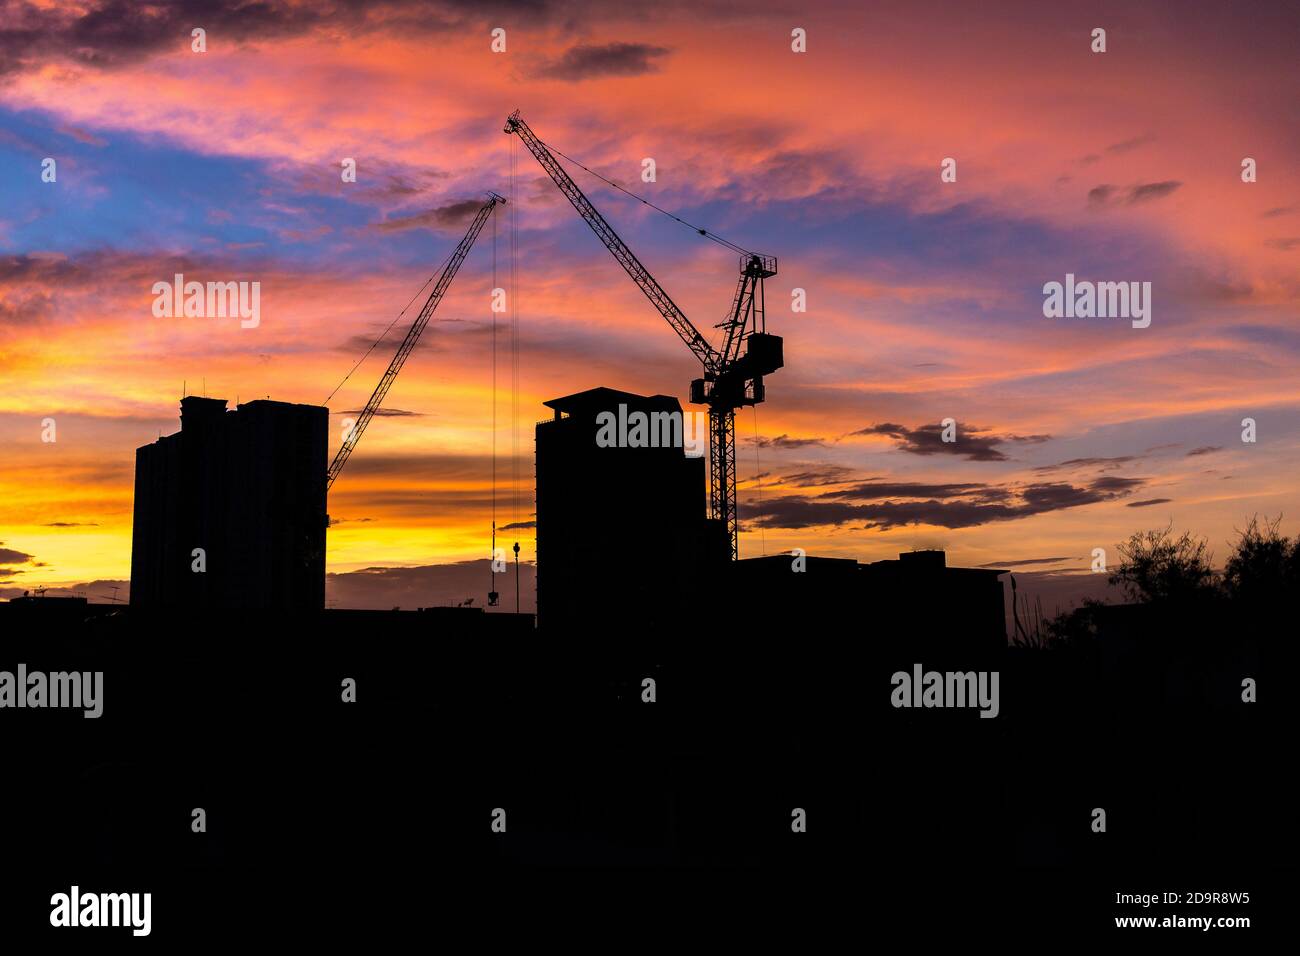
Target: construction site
[231,513]
[485,471]
[673,703]
[544,715]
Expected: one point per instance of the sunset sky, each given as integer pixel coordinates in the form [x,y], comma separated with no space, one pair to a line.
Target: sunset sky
[925,298]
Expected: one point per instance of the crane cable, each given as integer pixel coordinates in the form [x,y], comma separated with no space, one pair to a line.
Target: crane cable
[514,333]
[383,335]
[514,353]
[492,564]
[707,234]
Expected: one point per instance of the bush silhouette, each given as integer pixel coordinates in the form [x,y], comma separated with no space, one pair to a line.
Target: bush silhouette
[1159,568]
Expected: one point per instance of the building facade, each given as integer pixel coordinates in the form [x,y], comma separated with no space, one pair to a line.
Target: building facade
[622,513]
[230,510]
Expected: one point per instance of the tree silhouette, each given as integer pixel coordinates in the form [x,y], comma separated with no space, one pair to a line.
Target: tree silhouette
[1264,566]
[1156,567]
[1256,590]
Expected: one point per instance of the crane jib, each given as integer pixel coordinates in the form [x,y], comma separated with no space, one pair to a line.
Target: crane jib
[653,291]
[411,338]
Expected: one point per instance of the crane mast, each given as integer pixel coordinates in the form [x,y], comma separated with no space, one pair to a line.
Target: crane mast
[412,336]
[733,374]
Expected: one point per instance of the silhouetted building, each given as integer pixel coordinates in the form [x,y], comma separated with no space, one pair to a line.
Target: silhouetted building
[916,605]
[623,539]
[54,601]
[622,531]
[248,488]
[952,612]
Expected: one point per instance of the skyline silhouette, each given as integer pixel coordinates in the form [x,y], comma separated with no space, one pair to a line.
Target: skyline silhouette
[842,471]
[924,297]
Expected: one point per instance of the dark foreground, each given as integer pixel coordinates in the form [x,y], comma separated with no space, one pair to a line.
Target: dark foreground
[328,819]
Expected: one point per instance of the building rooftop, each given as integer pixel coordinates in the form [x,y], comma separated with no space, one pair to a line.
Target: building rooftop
[608,399]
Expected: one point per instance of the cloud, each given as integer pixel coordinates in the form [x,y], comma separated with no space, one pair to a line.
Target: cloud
[1103,463]
[1286,245]
[457,213]
[1115,483]
[112,268]
[873,490]
[957,509]
[71,524]
[113,33]
[1148,502]
[30,307]
[589,61]
[1028,439]
[10,138]
[435,585]
[971,443]
[1277,211]
[81,136]
[1148,191]
[817,475]
[1194,286]
[1128,145]
[1204,450]
[1023,563]
[518,526]
[1100,195]
[1106,195]
[785,441]
[10,556]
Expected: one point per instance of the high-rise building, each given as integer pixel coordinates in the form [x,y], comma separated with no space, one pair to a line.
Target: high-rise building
[240,495]
[623,532]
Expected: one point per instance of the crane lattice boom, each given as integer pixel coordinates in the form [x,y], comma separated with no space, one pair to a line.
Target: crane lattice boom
[412,336]
[639,273]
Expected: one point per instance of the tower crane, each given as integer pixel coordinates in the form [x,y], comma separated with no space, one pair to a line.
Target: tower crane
[732,374]
[412,336]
